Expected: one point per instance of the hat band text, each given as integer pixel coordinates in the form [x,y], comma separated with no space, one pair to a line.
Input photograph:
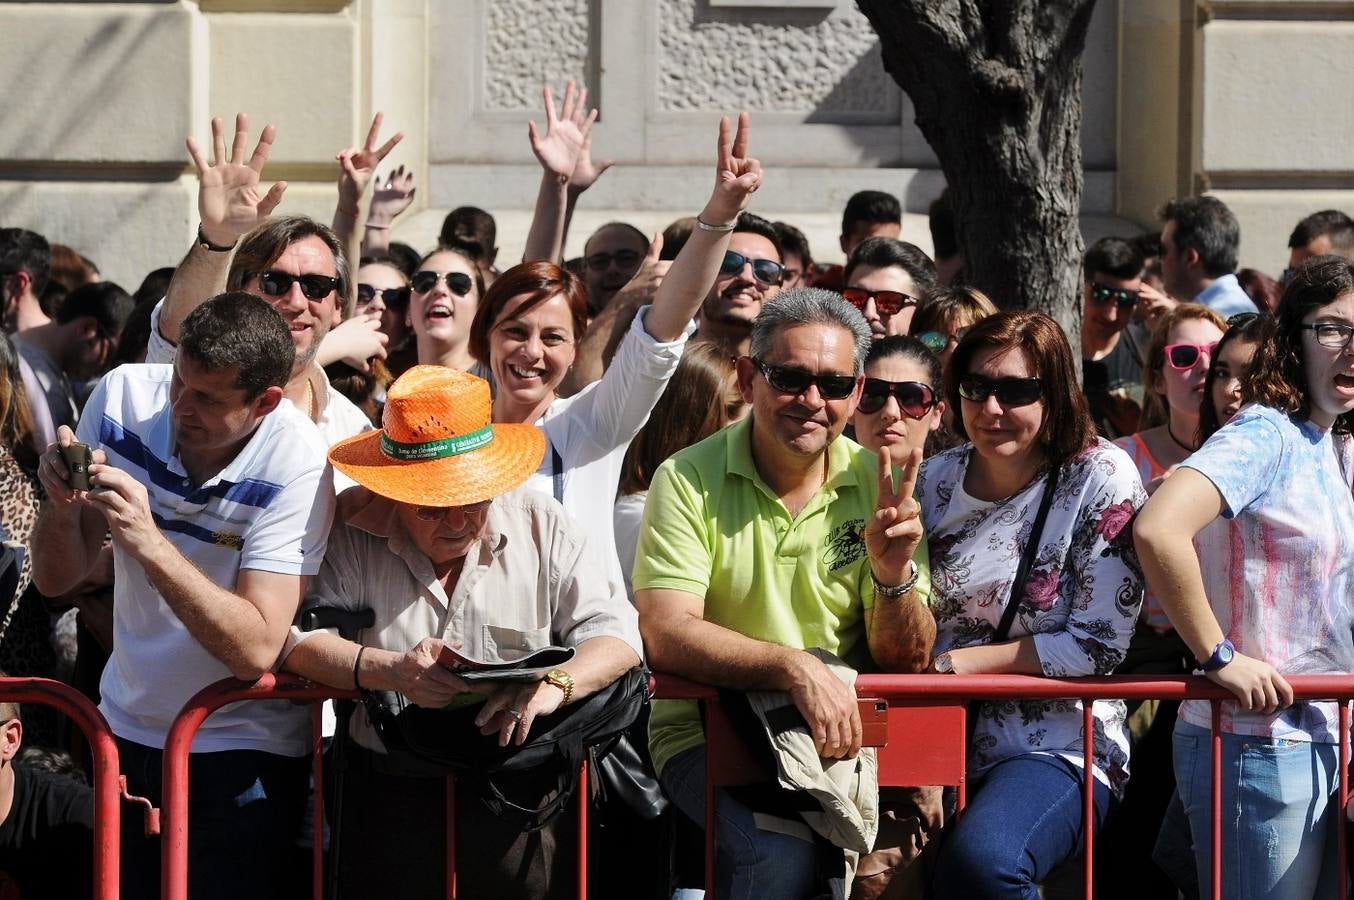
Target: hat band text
[438,449]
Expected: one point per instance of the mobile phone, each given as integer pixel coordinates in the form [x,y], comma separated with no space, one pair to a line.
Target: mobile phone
[874,721]
[78,458]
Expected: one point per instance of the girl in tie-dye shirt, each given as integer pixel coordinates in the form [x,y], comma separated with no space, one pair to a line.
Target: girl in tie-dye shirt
[1268,592]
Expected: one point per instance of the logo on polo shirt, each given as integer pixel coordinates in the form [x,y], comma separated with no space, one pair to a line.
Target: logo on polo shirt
[844,544]
[227,539]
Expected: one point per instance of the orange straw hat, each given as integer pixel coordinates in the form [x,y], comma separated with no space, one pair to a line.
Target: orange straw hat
[436,446]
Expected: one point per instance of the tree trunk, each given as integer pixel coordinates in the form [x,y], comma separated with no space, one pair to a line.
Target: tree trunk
[997,89]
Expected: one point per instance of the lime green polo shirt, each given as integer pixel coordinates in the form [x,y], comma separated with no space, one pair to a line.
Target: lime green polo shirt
[713,528]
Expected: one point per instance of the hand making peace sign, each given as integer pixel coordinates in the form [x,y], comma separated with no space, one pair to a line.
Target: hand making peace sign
[737,175]
[895,530]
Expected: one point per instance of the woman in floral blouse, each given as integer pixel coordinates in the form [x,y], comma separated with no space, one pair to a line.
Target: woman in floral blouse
[1013,382]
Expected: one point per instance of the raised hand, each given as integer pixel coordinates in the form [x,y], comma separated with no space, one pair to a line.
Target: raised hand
[895,530]
[392,198]
[358,164]
[229,200]
[565,134]
[586,172]
[737,175]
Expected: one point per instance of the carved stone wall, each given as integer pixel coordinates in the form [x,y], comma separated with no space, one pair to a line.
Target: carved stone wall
[528,44]
[772,61]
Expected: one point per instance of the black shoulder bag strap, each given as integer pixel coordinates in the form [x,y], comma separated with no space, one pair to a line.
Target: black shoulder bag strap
[557,465]
[1027,558]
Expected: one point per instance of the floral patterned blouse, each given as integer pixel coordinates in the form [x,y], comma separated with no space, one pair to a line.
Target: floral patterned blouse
[1081,599]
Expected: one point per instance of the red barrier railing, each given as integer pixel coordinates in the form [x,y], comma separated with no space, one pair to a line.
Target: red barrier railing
[902,760]
[104,755]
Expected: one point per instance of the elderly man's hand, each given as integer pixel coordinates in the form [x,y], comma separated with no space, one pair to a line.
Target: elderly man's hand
[420,677]
[513,708]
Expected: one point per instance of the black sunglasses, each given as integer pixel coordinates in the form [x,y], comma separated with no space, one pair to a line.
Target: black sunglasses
[1008,391]
[1103,293]
[314,287]
[458,283]
[600,262]
[791,380]
[914,398]
[394,298]
[767,271]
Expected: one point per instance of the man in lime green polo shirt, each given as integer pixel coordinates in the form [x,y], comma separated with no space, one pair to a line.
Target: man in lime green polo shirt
[767,539]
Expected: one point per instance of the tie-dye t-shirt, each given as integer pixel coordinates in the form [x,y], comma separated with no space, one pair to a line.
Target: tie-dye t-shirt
[1278,567]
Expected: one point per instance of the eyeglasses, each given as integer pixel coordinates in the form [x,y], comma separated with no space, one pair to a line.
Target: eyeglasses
[1184,356]
[1103,293]
[886,303]
[624,259]
[395,297]
[1008,391]
[937,341]
[314,287]
[1335,335]
[767,271]
[437,513]
[458,283]
[791,380]
[914,398]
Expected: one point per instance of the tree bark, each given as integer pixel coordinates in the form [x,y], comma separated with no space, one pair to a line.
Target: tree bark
[997,89]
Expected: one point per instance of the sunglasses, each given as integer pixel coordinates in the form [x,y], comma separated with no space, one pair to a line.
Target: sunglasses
[1184,356]
[886,303]
[1008,391]
[458,283]
[790,380]
[437,513]
[767,271]
[1103,293]
[914,398]
[937,341]
[625,259]
[395,297]
[314,287]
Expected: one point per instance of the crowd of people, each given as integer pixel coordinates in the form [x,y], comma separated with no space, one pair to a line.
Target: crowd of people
[488,495]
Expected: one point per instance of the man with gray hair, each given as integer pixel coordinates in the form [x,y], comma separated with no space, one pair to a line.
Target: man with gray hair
[769,538]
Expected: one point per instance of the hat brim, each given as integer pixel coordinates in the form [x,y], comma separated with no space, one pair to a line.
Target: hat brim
[498,467]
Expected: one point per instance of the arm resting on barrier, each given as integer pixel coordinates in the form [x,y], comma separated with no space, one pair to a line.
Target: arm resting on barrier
[1017,657]
[329,659]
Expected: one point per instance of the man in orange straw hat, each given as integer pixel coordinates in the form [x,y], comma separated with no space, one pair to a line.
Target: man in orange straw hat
[447,549]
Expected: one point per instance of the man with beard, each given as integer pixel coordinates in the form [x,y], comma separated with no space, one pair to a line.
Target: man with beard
[750,276]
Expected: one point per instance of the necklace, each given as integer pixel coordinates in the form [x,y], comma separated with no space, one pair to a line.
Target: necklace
[1182,444]
[310,400]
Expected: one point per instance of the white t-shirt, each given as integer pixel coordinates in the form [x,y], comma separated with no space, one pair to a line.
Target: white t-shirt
[592,430]
[268,510]
[626,517]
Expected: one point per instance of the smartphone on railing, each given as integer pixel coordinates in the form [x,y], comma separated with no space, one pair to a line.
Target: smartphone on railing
[874,722]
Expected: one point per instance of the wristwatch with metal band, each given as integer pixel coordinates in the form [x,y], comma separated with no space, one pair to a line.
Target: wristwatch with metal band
[562,680]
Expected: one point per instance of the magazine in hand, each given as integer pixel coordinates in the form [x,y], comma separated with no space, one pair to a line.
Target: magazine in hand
[530,667]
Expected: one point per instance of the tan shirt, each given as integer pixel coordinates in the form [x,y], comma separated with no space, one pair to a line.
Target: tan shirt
[531,580]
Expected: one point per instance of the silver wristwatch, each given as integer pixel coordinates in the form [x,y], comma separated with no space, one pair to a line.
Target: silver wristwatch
[894,591]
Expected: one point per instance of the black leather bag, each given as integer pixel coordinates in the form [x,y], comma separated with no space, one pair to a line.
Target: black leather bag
[437,742]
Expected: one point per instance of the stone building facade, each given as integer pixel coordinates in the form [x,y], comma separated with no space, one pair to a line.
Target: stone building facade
[1252,100]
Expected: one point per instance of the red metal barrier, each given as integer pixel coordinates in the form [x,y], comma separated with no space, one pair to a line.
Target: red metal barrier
[104,754]
[938,690]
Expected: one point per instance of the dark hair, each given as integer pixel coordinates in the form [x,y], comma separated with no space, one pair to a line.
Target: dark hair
[135,334]
[475,271]
[403,257]
[944,235]
[237,329]
[105,302]
[693,406]
[1148,244]
[538,281]
[676,235]
[1114,257]
[751,223]
[69,269]
[51,298]
[22,250]
[1277,377]
[471,231]
[909,348]
[1155,410]
[154,285]
[1067,428]
[949,306]
[872,207]
[882,253]
[1206,225]
[1251,330]
[261,247]
[1329,222]
[360,387]
[1263,290]
[630,231]
[16,424]
[792,240]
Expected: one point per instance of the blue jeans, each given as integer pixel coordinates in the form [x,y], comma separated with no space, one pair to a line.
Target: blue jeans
[1023,820]
[750,864]
[1280,815]
[244,813]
